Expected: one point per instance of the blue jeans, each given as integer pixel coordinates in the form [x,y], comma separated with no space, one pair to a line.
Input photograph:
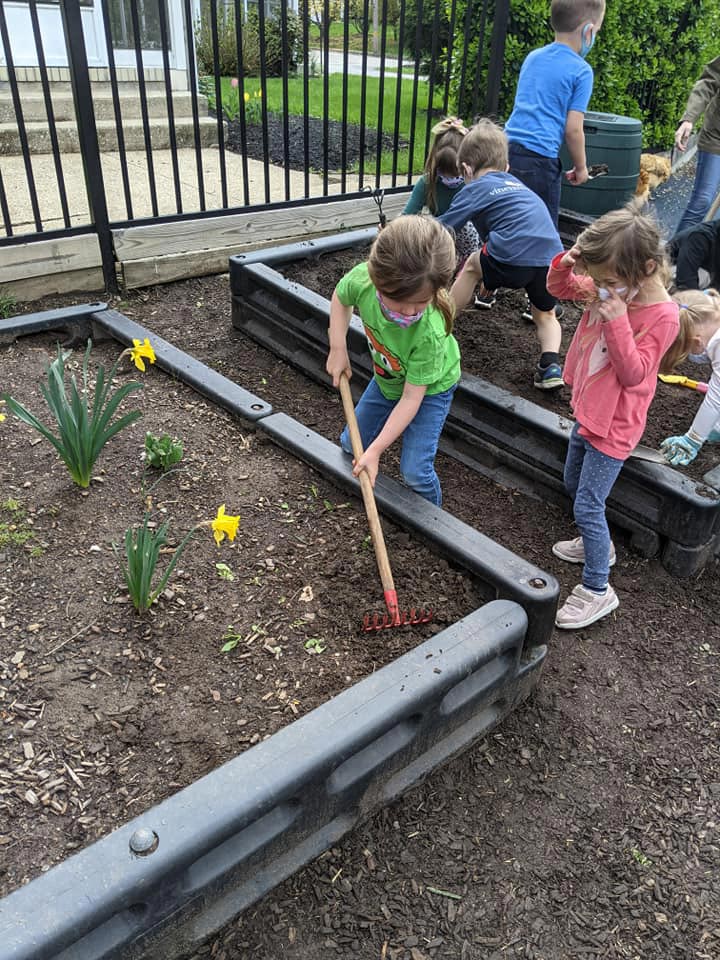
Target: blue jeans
[419,441]
[705,189]
[542,174]
[589,476]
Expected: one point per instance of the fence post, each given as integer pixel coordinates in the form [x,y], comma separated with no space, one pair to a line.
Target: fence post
[497,57]
[87,133]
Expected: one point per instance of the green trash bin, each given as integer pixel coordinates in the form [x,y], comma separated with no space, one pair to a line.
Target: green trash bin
[616,141]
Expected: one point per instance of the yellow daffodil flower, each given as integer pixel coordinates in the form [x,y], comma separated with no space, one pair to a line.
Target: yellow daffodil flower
[224,526]
[139,352]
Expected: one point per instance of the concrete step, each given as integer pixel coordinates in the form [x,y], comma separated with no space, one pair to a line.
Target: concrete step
[33,105]
[39,138]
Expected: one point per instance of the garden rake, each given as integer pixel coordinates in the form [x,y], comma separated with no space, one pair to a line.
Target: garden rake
[393,617]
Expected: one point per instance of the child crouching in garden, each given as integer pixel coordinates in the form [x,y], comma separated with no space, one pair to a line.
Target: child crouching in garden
[618,268]
[401,294]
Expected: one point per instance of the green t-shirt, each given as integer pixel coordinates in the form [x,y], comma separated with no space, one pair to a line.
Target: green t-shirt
[423,354]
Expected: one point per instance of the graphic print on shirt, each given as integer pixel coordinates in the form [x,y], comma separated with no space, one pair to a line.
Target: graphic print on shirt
[598,356]
[385,364]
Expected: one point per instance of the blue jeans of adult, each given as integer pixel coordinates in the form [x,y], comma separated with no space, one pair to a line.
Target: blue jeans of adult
[542,174]
[589,477]
[419,441]
[705,189]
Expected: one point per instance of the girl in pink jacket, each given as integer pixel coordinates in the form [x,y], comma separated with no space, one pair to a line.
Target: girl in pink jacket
[618,268]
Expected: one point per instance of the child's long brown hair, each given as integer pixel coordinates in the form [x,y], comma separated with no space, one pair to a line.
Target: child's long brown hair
[625,240]
[697,309]
[441,158]
[411,252]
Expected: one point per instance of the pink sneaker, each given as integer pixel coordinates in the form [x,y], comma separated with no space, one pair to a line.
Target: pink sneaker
[573,551]
[584,607]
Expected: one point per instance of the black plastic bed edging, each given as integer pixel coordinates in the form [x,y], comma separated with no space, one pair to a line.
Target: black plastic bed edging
[508,438]
[163,883]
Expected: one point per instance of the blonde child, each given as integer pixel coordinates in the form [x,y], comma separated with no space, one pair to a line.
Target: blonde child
[441,181]
[519,240]
[618,267]
[699,339]
[402,297]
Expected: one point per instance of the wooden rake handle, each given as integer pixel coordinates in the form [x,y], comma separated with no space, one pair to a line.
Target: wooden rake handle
[369,500]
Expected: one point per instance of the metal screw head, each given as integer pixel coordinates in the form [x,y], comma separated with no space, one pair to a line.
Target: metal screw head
[144,842]
[538,583]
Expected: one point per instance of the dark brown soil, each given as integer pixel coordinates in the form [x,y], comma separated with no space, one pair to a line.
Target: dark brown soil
[586,827]
[499,346]
[106,711]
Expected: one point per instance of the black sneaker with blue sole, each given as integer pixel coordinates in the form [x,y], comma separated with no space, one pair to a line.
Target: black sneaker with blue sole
[548,378]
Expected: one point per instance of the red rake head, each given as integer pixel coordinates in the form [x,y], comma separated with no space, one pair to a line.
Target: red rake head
[383,621]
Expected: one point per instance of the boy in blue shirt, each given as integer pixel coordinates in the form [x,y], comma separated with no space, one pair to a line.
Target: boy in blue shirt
[552,96]
[518,239]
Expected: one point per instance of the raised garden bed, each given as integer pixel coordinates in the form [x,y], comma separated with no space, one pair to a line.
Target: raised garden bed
[110,712]
[502,435]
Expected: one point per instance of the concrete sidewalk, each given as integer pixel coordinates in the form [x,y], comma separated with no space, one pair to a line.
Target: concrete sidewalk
[15,183]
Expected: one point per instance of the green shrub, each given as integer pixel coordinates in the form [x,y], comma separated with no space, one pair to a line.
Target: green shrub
[227,60]
[645,58]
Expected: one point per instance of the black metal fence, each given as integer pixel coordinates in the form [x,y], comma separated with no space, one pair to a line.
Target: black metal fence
[179,109]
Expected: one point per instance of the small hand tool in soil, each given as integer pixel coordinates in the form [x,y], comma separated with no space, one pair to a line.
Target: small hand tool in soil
[684,382]
[641,452]
[393,617]
[378,195]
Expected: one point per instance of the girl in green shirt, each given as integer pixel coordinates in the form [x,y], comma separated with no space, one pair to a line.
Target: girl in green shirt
[401,294]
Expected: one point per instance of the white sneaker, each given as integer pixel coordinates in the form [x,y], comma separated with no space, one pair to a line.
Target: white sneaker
[584,607]
[573,551]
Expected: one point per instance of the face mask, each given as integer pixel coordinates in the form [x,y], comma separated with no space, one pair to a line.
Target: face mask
[401,319]
[605,294]
[450,181]
[587,45]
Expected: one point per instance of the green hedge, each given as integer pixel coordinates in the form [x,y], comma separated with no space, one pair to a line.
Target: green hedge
[227,65]
[646,57]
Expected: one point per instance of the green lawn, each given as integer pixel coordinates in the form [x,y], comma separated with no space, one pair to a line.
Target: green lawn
[296,106]
[355,40]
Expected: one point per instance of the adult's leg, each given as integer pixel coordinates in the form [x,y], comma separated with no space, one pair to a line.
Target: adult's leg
[371,413]
[705,189]
[597,476]
[420,443]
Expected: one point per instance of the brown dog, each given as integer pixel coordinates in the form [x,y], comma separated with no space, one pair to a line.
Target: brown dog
[654,170]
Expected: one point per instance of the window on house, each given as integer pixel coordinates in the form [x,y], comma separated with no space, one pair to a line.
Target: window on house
[148,14]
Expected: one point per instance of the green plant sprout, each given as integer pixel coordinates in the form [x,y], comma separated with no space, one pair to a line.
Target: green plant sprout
[14,532]
[83,417]
[314,645]
[142,551]
[224,571]
[8,305]
[162,452]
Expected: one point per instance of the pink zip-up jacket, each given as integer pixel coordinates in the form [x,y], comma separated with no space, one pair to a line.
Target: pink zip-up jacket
[612,367]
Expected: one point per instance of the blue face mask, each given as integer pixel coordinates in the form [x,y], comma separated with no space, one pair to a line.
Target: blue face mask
[587,45]
[451,181]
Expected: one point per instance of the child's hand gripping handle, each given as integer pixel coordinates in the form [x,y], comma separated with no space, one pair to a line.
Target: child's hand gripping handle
[371,510]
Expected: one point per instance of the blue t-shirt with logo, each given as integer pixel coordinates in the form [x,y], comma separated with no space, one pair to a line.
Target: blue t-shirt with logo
[553,80]
[511,219]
